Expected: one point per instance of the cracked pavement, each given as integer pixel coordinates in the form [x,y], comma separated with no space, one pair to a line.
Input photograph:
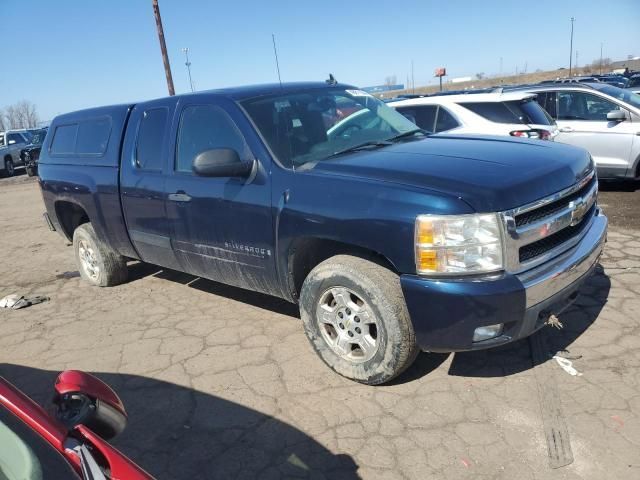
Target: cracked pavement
[222,383]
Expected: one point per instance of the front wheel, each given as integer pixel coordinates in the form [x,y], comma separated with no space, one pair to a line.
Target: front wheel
[30,171]
[98,263]
[9,170]
[355,317]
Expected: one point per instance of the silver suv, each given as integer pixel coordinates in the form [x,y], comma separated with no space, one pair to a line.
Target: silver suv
[601,118]
[11,143]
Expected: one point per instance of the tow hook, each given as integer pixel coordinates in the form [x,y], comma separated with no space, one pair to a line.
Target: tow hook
[554,322]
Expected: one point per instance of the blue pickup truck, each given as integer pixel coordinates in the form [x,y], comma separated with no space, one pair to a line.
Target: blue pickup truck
[390,240]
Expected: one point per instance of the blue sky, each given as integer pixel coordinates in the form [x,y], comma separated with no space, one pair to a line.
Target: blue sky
[66,55]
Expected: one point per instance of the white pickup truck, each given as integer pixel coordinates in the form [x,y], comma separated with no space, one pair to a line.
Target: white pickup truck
[11,143]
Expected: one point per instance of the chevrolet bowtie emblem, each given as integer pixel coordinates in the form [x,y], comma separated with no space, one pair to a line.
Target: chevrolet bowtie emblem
[579,208]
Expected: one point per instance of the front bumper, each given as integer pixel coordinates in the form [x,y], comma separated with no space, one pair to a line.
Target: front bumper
[445,312]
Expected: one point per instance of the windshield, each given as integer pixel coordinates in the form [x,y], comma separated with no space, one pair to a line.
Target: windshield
[38,137]
[626,96]
[529,111]
[314,125]
[25,455]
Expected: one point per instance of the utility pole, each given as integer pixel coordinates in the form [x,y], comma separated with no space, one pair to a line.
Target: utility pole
[571,46]
[188,64]
[576,62]
[275,52]
[600,58]
[163,48]
[413,80]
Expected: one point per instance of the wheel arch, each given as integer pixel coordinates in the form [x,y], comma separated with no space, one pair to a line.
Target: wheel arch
[306,253]
[70,216]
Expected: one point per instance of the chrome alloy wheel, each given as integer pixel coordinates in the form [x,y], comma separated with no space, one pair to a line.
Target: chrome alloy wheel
[347,324]
[88,259]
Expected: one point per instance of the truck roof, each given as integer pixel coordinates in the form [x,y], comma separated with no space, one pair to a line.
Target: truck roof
[252,91]
[234,93]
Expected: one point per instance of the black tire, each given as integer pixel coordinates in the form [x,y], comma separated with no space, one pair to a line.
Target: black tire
[30,171]
[111,267]
[379,288]
[9,169]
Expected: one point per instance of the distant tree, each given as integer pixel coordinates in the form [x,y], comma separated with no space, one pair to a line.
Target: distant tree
[480,75]
[391,80]
[539,70]
[3,123]
[22,114]
[603,64]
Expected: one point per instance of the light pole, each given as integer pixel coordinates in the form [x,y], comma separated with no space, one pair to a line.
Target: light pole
[600,58]
[188,64]
[413,81]
[571,47]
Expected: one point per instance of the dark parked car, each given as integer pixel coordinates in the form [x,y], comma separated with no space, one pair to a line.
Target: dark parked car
[634,81]
[31,152]
[390,240]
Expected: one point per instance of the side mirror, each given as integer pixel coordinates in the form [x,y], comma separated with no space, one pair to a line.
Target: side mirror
[82,399]
[221,162]
[617,116]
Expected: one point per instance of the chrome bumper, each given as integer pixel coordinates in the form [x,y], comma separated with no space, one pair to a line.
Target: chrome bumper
[551,277]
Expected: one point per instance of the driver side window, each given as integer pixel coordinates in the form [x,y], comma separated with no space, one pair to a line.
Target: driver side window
[205,127]
[583,106]
[16,137]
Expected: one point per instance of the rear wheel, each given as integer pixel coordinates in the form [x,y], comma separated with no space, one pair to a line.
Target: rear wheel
[97,263]
[355,317]
[9,170]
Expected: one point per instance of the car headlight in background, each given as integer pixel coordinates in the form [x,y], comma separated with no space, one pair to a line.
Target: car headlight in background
[466,244]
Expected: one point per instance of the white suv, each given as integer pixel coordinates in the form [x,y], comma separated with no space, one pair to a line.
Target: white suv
[601,118]
[515,114]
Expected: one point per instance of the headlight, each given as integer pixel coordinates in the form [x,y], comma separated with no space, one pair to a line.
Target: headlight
[450,244]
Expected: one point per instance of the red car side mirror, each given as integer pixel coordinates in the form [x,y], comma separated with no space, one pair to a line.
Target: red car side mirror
[82,399]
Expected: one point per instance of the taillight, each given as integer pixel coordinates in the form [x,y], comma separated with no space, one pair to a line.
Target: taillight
[539,134]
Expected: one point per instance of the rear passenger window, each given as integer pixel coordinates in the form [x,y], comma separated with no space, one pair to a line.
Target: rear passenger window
[205,127]
[445,121]
[150,138]
[64,139]
[93,136]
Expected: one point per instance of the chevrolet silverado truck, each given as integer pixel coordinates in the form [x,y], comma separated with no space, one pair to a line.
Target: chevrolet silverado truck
[389,239]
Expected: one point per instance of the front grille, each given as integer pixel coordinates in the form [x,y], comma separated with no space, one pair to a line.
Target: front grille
[552,208]
[541,247]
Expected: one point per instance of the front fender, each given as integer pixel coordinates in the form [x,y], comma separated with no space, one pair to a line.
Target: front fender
[374,216]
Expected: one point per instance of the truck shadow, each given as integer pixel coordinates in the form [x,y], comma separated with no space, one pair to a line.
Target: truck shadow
[140,270]
[518,356]
[618,185]
[180,433]
[496,362]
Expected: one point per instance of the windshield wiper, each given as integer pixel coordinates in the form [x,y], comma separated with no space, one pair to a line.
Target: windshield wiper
[361,146]
[408,134]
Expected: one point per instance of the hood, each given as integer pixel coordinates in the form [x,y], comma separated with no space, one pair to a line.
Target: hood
[489,173]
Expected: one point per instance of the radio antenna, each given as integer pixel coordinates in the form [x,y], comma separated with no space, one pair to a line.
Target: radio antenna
[275,52]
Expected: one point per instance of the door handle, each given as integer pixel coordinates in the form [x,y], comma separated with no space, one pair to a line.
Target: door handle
[566,129]
[179,197]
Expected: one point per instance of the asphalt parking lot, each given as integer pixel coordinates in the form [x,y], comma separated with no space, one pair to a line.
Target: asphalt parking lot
[222,383]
